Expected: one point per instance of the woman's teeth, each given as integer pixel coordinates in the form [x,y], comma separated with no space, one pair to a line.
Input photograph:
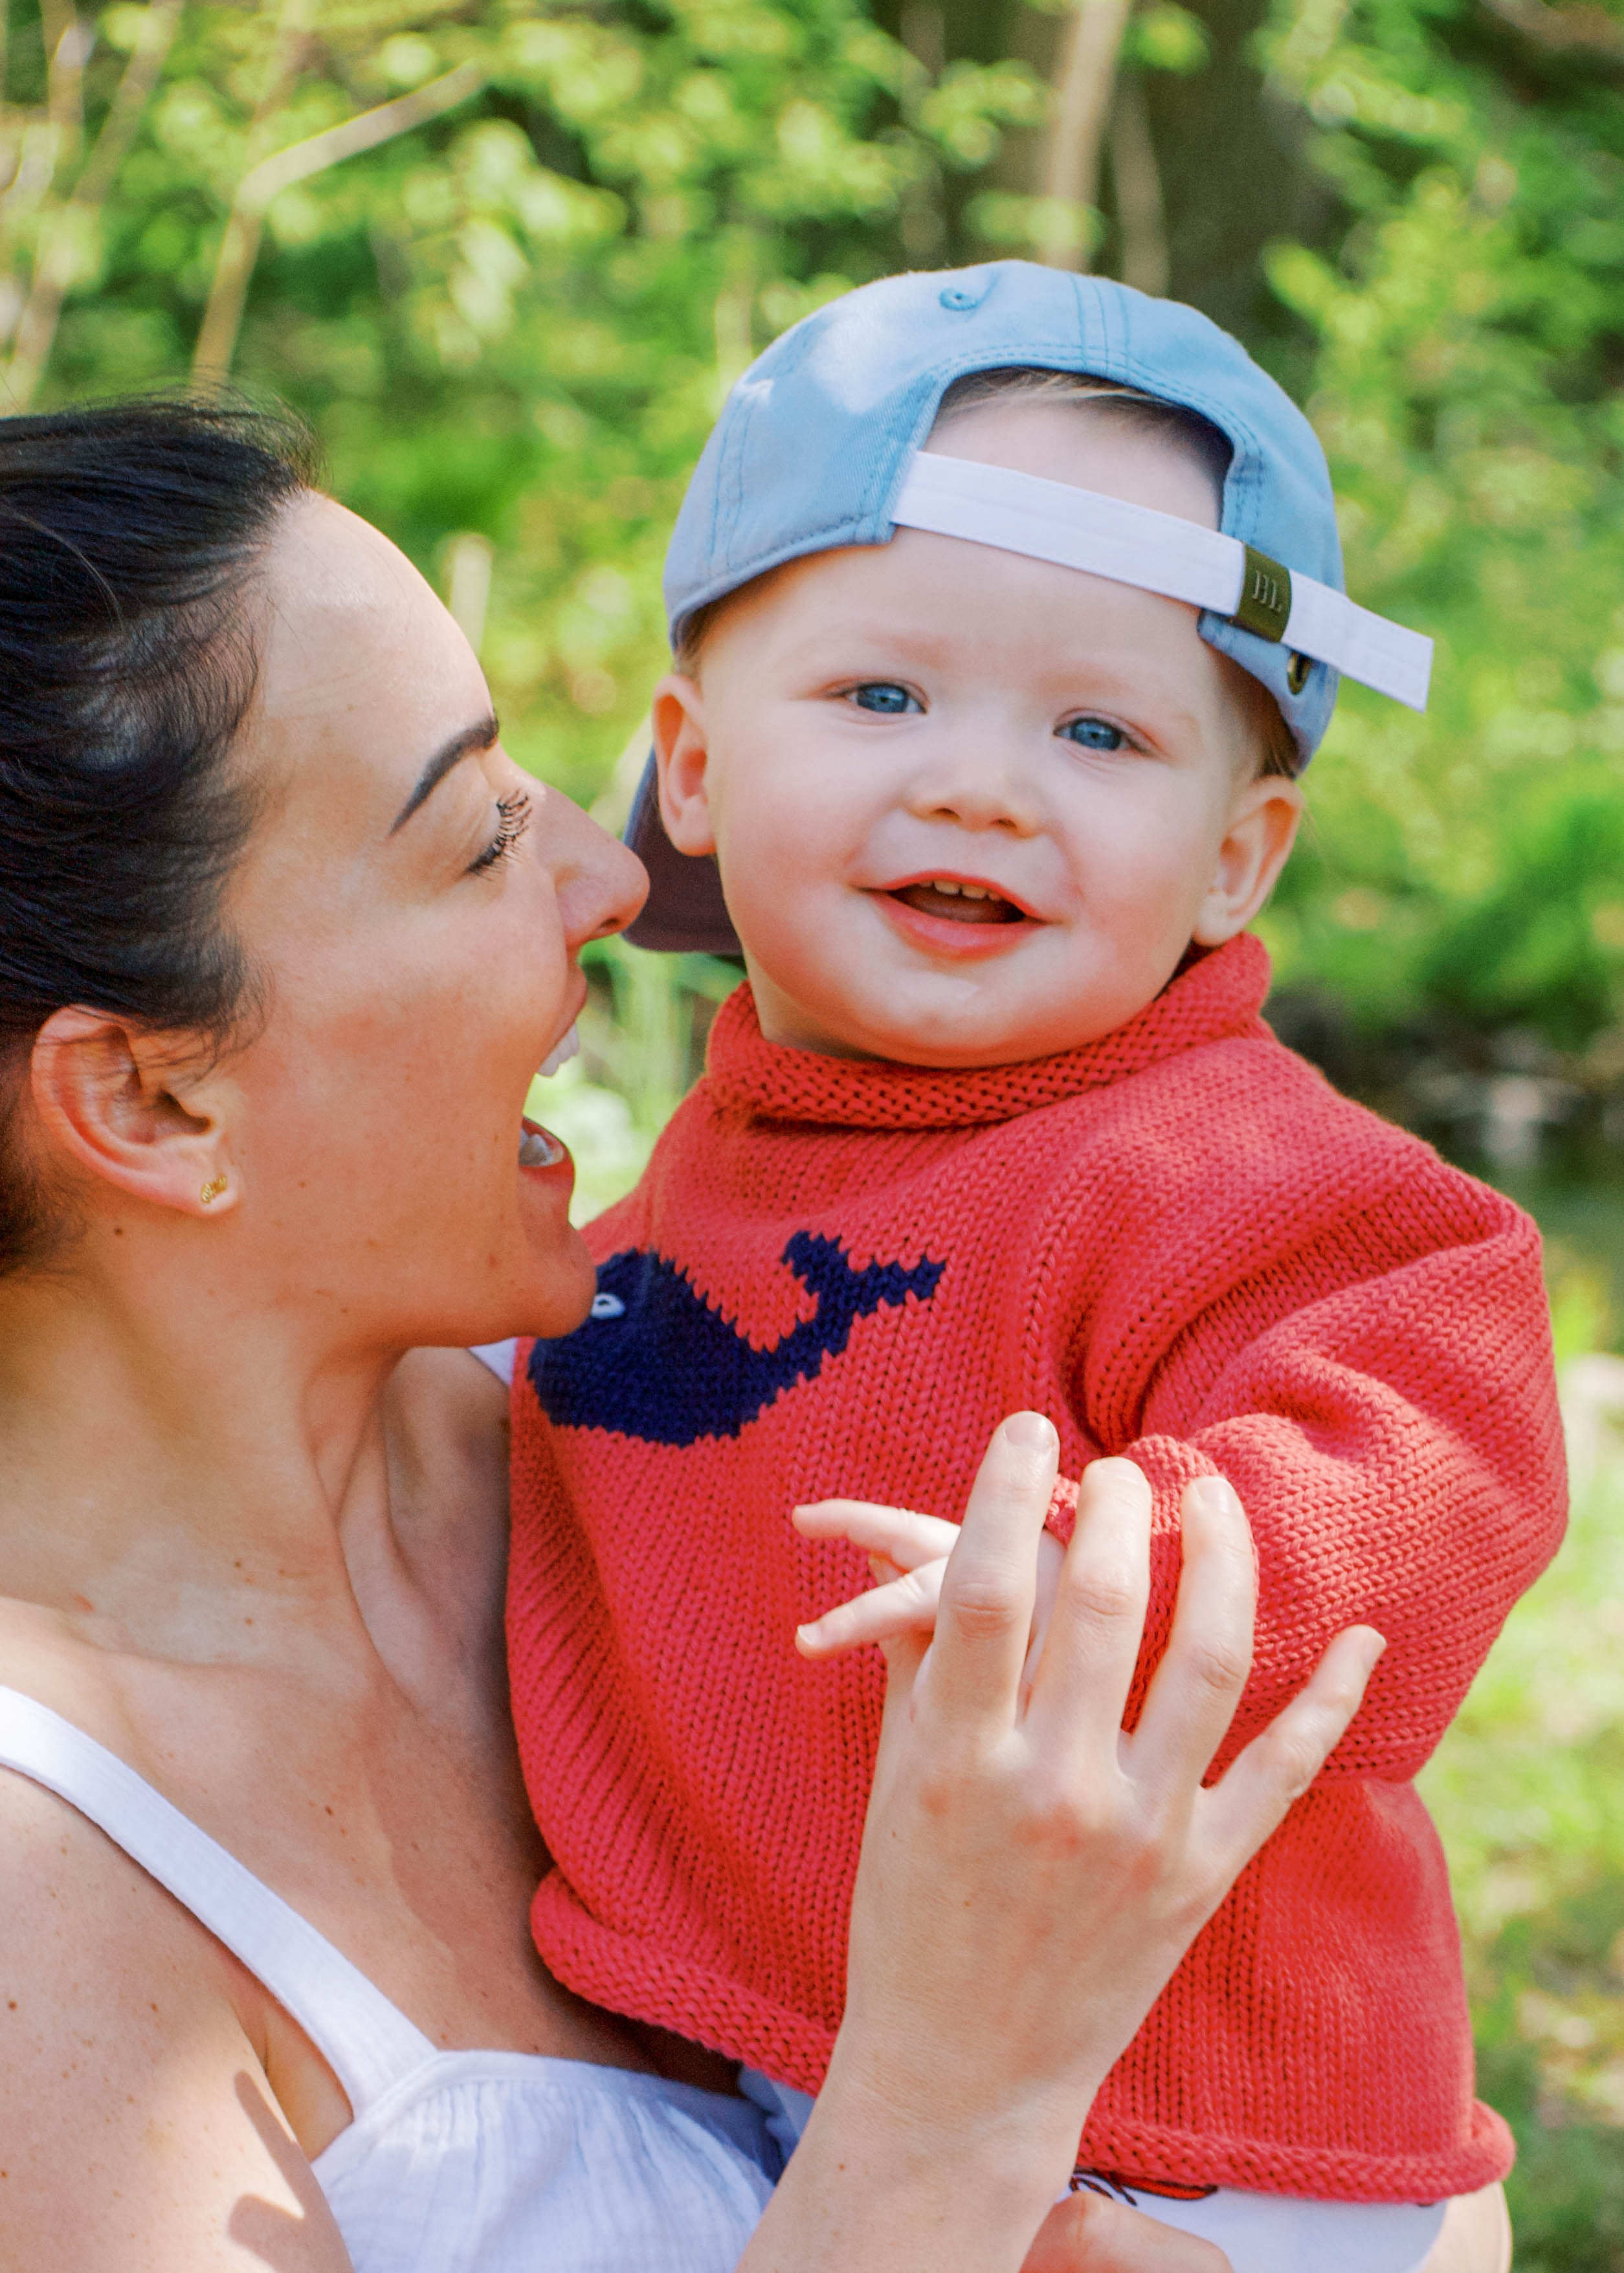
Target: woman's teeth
[537,1149]
[561,1055]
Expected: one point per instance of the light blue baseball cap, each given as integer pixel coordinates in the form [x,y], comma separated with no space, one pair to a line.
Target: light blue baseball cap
[818,447]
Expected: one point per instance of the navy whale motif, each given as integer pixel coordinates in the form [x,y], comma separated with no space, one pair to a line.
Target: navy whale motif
[656,1362]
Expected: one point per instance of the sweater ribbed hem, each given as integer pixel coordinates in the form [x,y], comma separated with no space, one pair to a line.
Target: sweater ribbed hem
[637,1977]
[1263,2166]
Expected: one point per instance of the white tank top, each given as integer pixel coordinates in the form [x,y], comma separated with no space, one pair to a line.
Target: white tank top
[455,2161]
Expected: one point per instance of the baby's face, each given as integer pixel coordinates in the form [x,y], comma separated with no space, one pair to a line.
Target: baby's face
[969,807]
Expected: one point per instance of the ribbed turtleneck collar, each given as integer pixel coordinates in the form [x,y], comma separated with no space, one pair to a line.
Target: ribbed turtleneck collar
[1218,996]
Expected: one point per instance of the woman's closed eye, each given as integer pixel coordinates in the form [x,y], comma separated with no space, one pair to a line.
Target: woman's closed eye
[1093,735]
[513,819]
[884,697]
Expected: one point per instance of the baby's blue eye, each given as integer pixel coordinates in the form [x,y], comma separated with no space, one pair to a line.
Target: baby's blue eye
[1093,735]
[884,696]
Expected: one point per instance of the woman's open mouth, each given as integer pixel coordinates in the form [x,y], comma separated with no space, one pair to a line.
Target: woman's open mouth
[538,1147]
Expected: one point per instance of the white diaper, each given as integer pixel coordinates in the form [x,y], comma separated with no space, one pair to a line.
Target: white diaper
[1258,2233]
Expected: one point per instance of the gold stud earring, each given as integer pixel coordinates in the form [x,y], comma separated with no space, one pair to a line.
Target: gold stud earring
[211,1191]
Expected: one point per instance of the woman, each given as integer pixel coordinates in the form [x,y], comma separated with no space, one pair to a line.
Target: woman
[283,937]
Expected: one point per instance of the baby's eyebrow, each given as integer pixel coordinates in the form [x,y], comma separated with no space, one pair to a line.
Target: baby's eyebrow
[480,736]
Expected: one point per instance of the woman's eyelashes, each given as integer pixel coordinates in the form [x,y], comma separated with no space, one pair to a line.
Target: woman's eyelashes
[884,697]
[513,819]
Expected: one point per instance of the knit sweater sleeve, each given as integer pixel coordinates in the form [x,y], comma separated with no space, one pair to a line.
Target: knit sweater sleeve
[1376,1382]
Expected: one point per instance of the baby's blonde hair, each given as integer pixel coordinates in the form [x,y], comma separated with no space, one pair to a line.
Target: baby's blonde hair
[1185,429]
[1147,414]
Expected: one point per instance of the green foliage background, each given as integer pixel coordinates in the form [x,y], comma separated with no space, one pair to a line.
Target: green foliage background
[511,324]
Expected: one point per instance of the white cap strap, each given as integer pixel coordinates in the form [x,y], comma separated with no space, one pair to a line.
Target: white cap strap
[1160,552]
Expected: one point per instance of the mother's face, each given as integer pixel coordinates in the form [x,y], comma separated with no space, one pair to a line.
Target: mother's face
[419,940]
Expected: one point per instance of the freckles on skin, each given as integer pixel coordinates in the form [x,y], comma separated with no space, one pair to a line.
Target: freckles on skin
[411,995]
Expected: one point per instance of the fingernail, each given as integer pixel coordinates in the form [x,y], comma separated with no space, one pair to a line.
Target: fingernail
[1216,1494]
[1031,1431]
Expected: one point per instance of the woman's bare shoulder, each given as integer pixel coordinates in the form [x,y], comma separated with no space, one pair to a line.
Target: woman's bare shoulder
[86,1924]
[137,2128]
[76,1908]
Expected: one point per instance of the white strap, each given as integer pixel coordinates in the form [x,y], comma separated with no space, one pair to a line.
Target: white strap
[366,2041]
[501,1357]
[1159,553]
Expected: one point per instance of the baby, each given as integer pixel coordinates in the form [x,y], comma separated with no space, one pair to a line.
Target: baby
[1007,608]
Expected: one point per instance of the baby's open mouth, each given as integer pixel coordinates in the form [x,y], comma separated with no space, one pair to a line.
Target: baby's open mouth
[966,903]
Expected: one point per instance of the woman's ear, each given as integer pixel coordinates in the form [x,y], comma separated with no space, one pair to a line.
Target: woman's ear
[134,1109]
[682,755]
[1262,829]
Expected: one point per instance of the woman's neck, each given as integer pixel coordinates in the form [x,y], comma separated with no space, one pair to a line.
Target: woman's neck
[167,1451]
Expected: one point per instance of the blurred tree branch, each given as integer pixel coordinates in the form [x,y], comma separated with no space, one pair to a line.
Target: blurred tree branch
[240,247]
[1583,31]
[1141,216]
[68,43]
[1085,78]
[65,248]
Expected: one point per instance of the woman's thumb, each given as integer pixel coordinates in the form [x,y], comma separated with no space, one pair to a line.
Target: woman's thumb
[1090,2233]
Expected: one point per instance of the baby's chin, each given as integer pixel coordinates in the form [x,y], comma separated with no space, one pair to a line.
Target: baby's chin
[955,1021]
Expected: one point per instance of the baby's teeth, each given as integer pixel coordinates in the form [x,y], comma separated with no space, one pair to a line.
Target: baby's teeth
[560,1057]
[975,892]
[942,885]
[537,1149]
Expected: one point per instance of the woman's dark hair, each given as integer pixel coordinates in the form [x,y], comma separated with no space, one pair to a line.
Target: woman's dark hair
[131,537]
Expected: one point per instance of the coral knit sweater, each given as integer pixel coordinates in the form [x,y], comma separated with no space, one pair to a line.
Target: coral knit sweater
[1184,1246]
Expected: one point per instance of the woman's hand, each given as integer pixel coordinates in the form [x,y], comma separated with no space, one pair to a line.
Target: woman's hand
[1090,2233]
[1031,1875]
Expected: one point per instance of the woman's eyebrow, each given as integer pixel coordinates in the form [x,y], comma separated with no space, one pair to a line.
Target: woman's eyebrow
[480,736]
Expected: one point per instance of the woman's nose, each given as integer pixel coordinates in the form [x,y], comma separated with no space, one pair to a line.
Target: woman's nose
[600,884]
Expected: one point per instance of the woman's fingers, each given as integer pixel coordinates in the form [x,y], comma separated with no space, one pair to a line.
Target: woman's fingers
[1250,1798]
[906,1604]
[904,1538]
[1081,1685]
[984,1620]
[1199,1680]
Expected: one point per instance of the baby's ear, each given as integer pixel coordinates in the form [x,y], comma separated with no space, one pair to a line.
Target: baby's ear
[1262,829]
[682,753]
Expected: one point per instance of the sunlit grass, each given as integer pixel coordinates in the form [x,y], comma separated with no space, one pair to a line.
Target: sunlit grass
[1528,1789]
